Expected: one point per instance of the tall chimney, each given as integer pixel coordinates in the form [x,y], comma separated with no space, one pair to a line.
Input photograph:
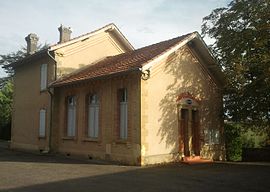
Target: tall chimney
[31,40]
[65,33]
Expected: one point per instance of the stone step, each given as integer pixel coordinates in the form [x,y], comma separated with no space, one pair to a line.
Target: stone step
[195,160]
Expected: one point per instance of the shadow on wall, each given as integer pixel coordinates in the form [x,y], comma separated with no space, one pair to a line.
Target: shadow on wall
[188,76]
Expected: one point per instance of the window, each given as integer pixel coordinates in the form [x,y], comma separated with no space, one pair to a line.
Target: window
[42,123]
[215,136]
[71,116]
[123,113]
[212,136]
[43,77]
[93,116]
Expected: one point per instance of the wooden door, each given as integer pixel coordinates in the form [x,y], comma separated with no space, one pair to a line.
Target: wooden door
[184,132]
[195,133]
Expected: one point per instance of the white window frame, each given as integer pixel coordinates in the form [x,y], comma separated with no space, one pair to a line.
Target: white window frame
[123,114]
[71,116]
[93,116]
[212,136]
[43,76]
[42,123]
[215,136]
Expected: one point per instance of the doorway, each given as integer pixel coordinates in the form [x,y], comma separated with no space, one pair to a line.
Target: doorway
[189,143]
[195,132]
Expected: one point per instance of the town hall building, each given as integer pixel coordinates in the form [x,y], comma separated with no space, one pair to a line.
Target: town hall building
[98,97]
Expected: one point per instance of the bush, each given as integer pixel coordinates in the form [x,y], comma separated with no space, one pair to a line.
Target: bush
[6,91]
[239,136]
[233,142]
[248,141]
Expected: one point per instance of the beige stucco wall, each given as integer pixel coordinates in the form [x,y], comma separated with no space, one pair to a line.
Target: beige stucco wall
[27,101]
[85,52]
[153,123]
[178,73]
[108,146]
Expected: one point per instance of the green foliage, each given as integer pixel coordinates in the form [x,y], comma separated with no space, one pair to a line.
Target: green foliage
[12,57]
[241,34]
[3,81]
[6,102]
[233,142]
[253,137]
[238,136]
[248,142]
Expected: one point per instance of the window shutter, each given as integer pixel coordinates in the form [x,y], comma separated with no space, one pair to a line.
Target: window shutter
[123,98]
[91,121]
[70,122]
[74,121]
[43,76]
[122,123]
[71,118]
[93,116]
[123,120]
[96,120]
[126,121]
[42,123]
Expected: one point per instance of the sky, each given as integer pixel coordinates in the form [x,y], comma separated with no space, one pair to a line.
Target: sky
[143,22]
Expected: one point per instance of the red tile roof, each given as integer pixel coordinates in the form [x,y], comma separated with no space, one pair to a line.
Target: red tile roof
[128,61]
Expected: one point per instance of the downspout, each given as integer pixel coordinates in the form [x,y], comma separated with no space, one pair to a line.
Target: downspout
[51,116]
[50,91]
[55,62]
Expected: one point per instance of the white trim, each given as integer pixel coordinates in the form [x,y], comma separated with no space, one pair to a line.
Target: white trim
[121,36]
[150,63]
[205,68]
[115,45]
[80,38]
[108,28]
[81,47]
[205,46]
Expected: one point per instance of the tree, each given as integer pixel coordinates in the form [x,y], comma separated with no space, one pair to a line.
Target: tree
[6,109]
[5,102]
[9,58]
[241,34]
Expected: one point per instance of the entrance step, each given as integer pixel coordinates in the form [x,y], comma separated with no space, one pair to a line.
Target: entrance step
[195,160]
